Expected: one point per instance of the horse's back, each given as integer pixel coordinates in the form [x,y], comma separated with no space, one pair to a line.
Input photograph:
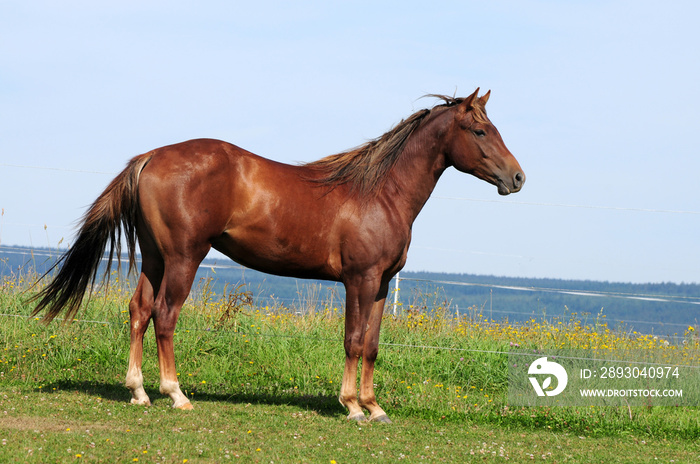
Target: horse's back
[263,214]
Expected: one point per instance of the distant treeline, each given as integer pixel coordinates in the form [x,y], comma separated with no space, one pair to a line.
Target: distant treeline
[659,308]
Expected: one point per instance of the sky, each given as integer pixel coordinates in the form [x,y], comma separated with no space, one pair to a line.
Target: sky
[598,100]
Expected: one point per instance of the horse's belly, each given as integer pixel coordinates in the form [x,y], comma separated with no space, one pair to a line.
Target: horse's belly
[307,258]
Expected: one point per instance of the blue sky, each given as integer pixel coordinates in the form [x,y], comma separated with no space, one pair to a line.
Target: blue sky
[599,102]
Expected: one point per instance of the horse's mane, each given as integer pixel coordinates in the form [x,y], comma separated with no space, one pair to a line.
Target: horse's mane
[365,168]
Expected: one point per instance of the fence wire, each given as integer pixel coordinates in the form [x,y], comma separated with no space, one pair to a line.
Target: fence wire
[659,298]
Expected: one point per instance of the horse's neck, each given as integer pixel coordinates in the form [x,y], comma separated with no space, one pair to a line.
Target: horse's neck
[415,175]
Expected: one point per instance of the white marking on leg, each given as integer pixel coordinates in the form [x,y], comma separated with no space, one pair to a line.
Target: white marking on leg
[172,389]
[134,382]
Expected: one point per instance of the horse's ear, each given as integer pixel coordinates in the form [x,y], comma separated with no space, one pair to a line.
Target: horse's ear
[483,99]
[468,102]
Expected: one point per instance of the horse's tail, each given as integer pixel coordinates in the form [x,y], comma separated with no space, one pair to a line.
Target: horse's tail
[114,211]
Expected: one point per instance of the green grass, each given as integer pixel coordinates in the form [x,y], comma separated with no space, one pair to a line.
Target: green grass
[87,423]
[264,383]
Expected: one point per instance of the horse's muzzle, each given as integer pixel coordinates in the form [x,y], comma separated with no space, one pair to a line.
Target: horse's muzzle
[515,184]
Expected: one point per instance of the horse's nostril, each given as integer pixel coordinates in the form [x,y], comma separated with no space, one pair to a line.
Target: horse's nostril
[519,178]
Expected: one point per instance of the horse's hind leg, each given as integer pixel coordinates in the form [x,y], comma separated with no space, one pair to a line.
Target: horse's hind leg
[140,310]
[176,285]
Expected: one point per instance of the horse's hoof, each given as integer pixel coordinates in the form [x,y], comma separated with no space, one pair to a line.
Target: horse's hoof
[358,417]
[382,418]
[185,407]
[145,402]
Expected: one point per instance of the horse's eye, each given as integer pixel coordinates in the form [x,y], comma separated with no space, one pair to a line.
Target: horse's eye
[480,132]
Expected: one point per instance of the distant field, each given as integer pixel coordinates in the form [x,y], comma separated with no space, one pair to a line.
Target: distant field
[264,382]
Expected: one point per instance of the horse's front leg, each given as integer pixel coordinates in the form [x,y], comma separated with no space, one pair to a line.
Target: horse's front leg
[348,390]
[360,295]
[370,349]
[363,316]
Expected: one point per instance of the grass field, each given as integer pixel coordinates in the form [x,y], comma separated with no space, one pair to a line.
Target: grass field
[264,383]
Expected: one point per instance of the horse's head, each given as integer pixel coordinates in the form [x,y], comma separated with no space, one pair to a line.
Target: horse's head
[474,146]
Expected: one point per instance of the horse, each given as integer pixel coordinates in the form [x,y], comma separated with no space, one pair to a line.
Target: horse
[345,218]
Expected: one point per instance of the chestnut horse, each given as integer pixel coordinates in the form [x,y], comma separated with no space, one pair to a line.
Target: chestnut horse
[345,218]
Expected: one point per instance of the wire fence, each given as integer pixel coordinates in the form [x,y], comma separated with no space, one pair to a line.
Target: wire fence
[395,303]
[251,334]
